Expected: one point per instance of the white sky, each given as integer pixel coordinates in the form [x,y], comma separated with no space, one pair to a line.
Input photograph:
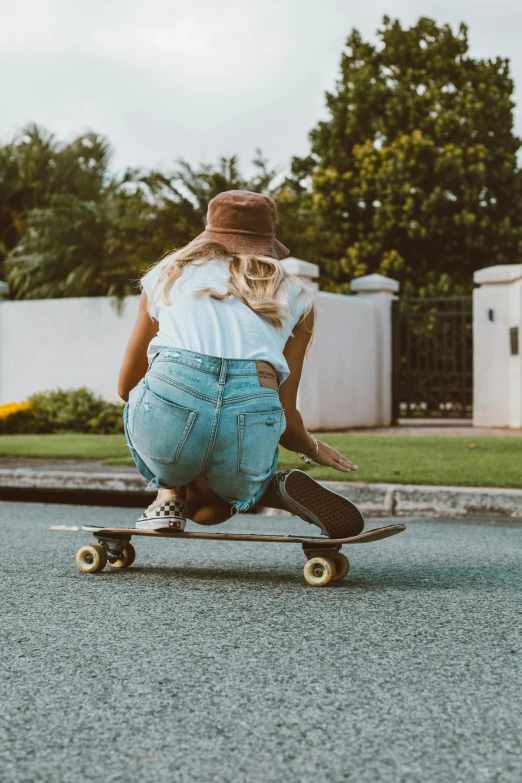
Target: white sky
[201,78]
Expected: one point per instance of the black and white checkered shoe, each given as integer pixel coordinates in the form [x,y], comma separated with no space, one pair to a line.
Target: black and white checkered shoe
[169,515]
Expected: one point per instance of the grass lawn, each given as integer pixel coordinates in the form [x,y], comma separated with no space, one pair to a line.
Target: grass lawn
[493,461]
[67,446]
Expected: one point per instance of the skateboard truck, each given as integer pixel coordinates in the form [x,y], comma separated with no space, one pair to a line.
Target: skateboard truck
[113,546]
[325,551]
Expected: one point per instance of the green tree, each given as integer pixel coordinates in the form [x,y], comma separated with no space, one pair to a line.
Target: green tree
[148,218]
[60,252]
[158,212]
[52,213]
[26,179]
[96,235]
[414,174]
[200,184]
[299,225]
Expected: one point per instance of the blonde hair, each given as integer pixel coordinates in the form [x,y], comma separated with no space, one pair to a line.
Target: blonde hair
[257,281]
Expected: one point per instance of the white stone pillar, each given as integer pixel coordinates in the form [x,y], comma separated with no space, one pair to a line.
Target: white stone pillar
[381,291]
[374,284]
[304,269]
[497,365]
[4,290]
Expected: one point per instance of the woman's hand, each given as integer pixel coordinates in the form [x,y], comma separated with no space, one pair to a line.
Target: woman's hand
[326,455]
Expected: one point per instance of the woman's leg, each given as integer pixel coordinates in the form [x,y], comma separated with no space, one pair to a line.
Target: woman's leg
[202,504]
[206,507]
[271,499]
[167,494]
[335,514]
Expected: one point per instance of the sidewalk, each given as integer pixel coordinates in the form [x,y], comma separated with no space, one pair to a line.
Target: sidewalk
[449,427]
[90,483]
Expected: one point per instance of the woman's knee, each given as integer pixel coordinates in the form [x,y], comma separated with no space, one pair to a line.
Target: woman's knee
[204,506]
[210,514]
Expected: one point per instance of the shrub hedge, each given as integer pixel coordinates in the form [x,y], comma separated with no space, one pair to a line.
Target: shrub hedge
[62,410]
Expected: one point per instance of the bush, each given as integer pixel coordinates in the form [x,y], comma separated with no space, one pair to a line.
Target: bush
[71,410]
[16,417]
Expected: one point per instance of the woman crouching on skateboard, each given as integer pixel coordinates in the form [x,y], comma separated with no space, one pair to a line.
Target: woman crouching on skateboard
[211,374]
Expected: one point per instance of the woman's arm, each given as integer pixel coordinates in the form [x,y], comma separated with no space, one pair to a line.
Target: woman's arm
[134,365]
[295,437]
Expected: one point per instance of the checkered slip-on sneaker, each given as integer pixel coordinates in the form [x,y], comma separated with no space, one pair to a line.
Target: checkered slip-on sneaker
[337,516]
[169,515]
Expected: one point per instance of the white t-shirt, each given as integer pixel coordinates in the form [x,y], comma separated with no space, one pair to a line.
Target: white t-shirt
[227,328]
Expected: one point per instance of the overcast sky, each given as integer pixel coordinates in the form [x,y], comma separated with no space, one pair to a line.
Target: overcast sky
[201,78]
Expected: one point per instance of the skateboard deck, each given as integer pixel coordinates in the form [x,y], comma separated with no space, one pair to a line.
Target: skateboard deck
[369,535]
[325,562]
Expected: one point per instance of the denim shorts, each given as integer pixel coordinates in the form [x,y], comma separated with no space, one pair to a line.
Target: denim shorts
[195,415]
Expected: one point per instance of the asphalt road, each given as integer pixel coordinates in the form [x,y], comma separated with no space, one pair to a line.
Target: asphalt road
[216,662]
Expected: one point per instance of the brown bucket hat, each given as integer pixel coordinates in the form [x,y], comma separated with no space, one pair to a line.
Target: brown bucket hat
[244,222]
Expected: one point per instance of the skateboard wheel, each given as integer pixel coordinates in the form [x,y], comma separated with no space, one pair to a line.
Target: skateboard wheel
[126,558]
[342,565]
[91,558]
[319,571]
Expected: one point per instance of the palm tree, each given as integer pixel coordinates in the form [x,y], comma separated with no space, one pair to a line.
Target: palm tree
[67,228]
[52,213]
[201,184]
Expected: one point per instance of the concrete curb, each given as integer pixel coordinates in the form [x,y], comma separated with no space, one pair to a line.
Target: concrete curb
[383,500]
[406,500]
[27,478]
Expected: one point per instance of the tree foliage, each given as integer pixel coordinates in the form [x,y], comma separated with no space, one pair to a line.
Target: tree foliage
[52,213]
[68,228]
[414,174]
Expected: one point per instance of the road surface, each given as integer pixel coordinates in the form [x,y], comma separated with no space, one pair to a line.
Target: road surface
[216,662]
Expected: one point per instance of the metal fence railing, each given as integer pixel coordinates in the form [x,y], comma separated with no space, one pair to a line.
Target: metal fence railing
[432,358]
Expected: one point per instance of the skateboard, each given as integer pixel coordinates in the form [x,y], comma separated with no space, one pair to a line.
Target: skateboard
[325,562]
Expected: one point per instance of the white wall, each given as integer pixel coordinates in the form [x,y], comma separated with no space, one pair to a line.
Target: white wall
[50,343]
[347,379]
[45,344]
[497,375]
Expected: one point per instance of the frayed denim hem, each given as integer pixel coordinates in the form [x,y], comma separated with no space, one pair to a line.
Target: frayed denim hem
[241,506]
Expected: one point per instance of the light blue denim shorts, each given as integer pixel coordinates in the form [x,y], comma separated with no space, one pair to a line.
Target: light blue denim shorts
[195,415]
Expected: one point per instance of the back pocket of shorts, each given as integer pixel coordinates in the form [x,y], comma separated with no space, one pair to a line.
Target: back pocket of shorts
[258,437]
[160,428]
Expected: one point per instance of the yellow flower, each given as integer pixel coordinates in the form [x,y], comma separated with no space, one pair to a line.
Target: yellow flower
[13,407]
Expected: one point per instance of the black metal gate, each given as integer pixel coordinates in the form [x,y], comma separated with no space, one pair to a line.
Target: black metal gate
[432,358]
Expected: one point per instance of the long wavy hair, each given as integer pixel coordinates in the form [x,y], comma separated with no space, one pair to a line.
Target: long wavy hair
[257,281]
